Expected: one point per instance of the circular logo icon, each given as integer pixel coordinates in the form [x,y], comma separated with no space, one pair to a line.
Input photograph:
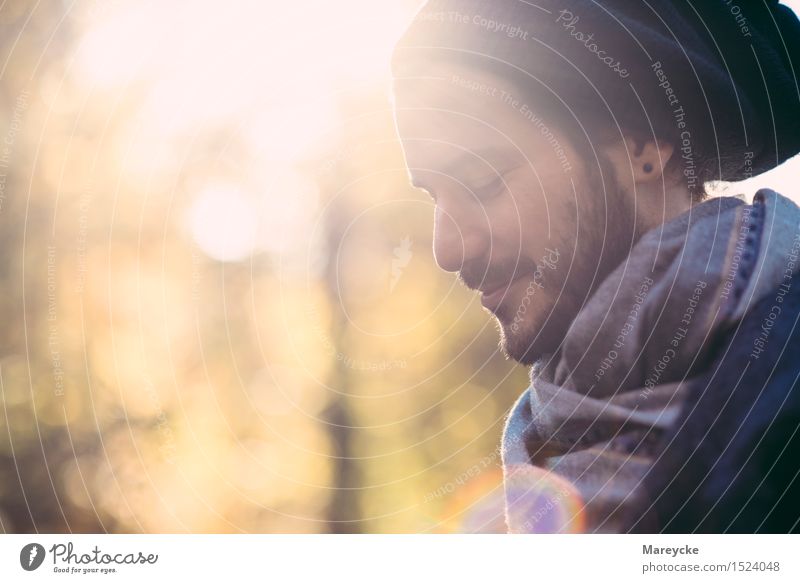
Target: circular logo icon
[31,556]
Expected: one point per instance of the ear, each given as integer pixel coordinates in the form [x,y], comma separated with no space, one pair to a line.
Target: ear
[638,161]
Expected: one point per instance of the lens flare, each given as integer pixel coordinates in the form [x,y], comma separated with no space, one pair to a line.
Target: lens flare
[540,501]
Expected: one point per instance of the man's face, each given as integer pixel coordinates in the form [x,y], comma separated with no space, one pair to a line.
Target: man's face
[516,213]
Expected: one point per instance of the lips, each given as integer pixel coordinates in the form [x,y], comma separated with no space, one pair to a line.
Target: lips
[492,297]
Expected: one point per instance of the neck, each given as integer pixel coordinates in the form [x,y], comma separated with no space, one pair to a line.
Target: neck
[656,207]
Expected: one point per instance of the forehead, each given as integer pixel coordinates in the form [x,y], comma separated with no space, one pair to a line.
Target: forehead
[448,96]
[455,110]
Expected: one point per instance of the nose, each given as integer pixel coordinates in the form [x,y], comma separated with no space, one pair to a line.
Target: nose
[458,236]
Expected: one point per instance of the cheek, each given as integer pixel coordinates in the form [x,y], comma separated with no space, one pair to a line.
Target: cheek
[528,213]
[547,200]
[510,226]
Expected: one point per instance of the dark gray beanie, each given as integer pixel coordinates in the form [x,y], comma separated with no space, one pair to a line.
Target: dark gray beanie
[715,77]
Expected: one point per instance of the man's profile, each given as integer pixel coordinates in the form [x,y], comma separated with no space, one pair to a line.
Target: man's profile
[566,146]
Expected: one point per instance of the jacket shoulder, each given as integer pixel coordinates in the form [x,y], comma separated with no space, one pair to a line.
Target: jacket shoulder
[731,462]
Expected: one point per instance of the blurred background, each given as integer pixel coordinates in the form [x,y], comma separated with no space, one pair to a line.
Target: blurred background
[220,312]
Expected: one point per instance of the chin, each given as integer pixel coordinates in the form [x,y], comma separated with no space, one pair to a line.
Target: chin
[520,344]
[534,337]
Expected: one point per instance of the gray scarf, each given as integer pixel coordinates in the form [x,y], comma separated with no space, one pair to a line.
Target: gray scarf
[579,440]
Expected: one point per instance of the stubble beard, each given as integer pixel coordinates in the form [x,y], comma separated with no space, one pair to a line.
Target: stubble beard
[552,309]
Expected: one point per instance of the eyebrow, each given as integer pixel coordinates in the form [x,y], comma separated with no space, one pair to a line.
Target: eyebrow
[487,154]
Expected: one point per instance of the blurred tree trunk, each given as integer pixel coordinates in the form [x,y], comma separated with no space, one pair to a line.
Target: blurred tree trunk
[343,514]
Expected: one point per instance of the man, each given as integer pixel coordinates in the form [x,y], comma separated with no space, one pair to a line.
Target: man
[566,146]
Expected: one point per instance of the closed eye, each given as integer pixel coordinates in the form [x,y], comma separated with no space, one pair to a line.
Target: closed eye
[492,188]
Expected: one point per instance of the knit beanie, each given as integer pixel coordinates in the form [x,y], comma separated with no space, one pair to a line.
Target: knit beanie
[717,78]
